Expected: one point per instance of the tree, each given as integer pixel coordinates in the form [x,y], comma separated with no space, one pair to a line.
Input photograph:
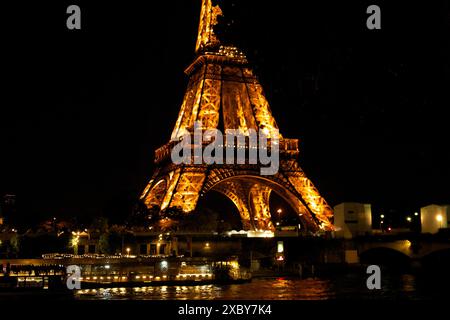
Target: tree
[104,243]
[200,221]
[117,235]
[100,224]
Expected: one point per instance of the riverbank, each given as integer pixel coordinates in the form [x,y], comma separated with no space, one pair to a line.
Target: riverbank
[135,284]
[308,271]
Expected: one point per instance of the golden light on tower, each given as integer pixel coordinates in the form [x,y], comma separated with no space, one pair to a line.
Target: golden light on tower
[208,19]
[222,86]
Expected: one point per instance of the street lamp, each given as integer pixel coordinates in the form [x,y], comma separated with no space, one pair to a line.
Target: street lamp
[409,219]
[416,214]
[279,211]
[128,251]
[381,221]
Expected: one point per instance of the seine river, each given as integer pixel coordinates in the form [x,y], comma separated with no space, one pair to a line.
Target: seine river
[349,286]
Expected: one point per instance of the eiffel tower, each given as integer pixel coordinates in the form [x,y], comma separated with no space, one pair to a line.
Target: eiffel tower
[223,93]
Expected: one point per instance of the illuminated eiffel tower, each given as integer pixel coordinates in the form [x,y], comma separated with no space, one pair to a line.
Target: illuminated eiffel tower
[223,93]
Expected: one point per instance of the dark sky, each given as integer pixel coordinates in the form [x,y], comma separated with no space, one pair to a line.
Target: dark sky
[82,111]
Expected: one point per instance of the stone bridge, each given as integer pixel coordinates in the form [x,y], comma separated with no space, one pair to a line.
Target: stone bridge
[412,248]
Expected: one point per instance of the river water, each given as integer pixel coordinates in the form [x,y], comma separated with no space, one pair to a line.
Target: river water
[344,286]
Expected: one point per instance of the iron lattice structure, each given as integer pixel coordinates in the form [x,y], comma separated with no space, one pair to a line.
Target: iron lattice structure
[223,93]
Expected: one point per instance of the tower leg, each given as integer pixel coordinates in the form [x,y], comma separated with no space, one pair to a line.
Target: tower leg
[259,196]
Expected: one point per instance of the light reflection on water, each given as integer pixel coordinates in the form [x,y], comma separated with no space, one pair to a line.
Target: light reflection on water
[343,287]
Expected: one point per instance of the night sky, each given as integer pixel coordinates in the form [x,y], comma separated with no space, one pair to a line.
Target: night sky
[82,111]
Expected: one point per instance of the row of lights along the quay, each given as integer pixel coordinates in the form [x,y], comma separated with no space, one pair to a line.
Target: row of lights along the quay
[409,219]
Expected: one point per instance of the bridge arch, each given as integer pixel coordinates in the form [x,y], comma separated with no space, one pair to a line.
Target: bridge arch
[439,258]
[382,255]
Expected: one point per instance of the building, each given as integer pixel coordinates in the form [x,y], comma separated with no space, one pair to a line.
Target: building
[352,219]
[83,243]
[434,217]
